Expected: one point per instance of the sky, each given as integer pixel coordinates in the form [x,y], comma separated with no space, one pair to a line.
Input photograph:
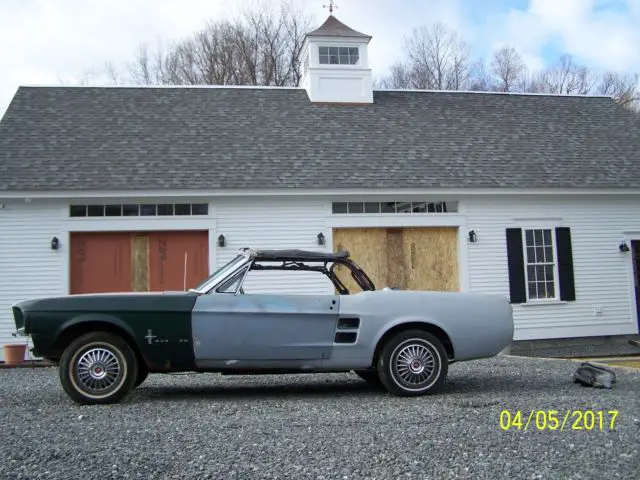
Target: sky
[55,42]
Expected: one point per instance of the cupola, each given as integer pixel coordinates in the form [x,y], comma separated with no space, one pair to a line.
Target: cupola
[336,64]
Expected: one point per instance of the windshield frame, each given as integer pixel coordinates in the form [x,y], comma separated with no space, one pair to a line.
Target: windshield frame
[222,273]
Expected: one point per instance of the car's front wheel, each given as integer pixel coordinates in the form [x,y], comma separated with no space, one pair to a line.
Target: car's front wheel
[98,368]
[413,363]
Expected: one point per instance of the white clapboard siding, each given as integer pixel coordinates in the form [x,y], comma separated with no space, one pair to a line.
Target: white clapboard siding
[601,272]
[275,224]
[28,266]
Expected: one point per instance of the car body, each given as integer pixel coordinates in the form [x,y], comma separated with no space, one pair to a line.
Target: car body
[107,343]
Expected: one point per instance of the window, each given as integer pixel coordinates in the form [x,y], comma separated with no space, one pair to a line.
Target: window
[339,55]
[404,208]
[540,263]
[135,210]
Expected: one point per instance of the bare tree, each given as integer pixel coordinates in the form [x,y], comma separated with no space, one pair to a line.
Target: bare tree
[437,58]
[261,46]
[399,77]
[566,77]
[509,69]
[623,88]
[480,78]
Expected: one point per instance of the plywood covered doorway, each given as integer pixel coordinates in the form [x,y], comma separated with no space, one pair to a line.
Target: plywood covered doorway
[424,258]
[137,261]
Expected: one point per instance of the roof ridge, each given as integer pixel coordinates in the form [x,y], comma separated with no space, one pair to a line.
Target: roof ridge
[298,88]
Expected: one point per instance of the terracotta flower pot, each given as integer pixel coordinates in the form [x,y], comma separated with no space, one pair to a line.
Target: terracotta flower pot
[14,353]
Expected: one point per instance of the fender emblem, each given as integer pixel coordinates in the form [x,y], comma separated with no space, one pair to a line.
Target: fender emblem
[150,336]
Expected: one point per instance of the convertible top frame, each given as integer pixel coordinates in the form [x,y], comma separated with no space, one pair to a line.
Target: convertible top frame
[299,260]
[293,260]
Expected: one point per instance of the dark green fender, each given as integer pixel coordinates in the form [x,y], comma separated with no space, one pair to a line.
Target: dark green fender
[158,323]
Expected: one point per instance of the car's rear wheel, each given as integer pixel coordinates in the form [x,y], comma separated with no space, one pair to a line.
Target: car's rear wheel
[413,363]
[98,368]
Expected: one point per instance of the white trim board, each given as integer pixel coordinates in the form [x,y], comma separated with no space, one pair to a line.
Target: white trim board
[396,220]
[139,224]
[335,193]
[633,309]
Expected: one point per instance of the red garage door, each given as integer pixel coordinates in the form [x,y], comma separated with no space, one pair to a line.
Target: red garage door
[138,261]
[100,262]
[177,260]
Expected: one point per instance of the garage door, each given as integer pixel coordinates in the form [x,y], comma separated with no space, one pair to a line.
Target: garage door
[407,258]
[138,261]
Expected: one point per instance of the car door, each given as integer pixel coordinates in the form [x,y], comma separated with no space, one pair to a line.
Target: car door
[263,327]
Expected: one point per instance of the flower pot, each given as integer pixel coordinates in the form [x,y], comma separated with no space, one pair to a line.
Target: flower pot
[14,353]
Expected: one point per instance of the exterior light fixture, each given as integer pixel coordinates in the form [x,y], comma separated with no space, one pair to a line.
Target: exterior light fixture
[55,243]
[473,236]
[320,239]
[623,247]
[221,241]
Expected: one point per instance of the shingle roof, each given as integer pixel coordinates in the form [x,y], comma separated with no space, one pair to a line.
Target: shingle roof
[332,27]
[72,138]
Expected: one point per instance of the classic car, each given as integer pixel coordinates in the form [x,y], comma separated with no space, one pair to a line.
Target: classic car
[106,344]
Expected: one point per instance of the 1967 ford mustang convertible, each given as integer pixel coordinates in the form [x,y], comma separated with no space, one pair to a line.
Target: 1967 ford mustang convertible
[403,341]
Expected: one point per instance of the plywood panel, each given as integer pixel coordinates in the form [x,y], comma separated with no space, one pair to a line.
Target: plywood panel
[406,258]
[396,255]
[431,258]
[177,260]
[100,262]
[140,263]
[368,247]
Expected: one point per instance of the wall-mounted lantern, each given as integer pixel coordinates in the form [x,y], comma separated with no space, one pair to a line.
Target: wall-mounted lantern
[473,236]
[623,247]
[55,243]
[320,239]
[221,241]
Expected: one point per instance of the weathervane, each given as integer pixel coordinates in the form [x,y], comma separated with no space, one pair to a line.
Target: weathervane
[331,7]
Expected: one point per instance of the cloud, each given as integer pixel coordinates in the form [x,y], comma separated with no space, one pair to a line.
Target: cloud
[602,34]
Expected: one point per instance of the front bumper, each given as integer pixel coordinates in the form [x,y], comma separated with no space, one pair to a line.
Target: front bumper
[20,333]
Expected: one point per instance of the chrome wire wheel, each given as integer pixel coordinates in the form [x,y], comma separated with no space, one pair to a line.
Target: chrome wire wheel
[415,364]
[98,370]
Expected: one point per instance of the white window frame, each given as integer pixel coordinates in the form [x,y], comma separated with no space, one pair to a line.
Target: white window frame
[554,253]
[340,65]
[397,213]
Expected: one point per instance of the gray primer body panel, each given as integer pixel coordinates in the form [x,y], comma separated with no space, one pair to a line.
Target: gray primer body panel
[263,330]
[479,325]
[297,331]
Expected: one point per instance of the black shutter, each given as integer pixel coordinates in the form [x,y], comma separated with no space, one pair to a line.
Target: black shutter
[515,258]
[565,264]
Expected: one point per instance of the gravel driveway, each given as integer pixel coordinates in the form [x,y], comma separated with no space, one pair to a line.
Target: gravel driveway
[320,426]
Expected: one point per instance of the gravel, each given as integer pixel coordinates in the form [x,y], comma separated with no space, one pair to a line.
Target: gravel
[331,426]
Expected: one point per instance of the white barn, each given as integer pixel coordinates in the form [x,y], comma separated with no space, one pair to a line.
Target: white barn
[535,197]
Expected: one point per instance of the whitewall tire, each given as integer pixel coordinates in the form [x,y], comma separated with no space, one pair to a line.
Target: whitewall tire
[413,363]
[98,368]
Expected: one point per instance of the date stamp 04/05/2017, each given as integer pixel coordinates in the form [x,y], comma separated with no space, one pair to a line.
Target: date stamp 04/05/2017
[555,420]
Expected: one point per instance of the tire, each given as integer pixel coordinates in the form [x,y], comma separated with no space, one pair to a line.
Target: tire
[369,376]
[87,359]
[143,373]
[405,378]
